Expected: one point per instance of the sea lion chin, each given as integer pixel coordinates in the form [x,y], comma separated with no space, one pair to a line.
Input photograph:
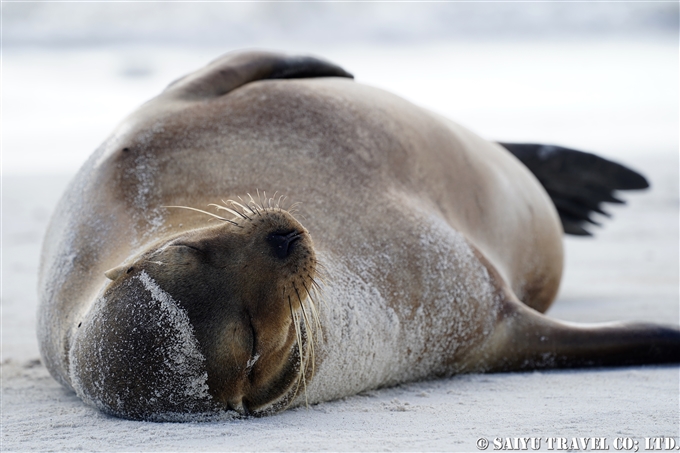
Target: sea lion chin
[215,318]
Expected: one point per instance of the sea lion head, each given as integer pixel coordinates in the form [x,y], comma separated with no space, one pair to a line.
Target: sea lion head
[221,317]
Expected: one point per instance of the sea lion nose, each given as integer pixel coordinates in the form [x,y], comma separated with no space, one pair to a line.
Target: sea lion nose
[282,243]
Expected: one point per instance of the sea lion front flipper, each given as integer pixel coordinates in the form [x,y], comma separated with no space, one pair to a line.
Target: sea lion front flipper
[526,339]
[236,69]
[577,182]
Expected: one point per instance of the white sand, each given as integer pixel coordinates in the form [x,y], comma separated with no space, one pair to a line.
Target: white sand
[615,98]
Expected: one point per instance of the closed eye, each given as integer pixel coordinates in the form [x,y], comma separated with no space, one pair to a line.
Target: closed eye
[177,254]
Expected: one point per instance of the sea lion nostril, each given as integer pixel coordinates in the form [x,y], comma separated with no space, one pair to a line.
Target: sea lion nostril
[282,243]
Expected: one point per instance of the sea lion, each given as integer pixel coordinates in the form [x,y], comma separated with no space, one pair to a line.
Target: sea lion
[418,250]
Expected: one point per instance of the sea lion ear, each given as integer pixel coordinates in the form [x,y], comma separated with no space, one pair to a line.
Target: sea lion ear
[115,273]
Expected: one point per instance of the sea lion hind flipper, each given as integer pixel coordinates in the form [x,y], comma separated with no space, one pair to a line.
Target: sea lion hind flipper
[577,182]
[529,340]
[236,69]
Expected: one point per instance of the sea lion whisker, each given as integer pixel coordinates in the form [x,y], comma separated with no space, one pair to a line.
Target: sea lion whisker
[272,200]
[298,336]
[313,283]
[306,289]
[240,214]
[315,319]
[205,212]
[320,271]
[311,332]
[236,203]
[309,356]
[317,293]
[303,366]
[318,333]
[297,331]
[260,198]
[320,279]
[308,326]
[257,207]
[294,208]
[315,313]
[310,338]
[246,205]
[302,307]
[267,202]
[305,349]
[224,208]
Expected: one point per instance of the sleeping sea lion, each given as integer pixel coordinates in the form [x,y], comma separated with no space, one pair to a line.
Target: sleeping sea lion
[399,246]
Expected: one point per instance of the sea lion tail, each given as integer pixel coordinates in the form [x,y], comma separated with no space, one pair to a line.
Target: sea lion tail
[236,69]
[527,340]
[577,182]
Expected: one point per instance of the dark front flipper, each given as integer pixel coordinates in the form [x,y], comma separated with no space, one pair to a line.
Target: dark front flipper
[577,182]
[239,68]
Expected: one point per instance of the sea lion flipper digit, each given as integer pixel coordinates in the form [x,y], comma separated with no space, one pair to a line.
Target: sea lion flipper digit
[531,340]
[236,69]
[577,182]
